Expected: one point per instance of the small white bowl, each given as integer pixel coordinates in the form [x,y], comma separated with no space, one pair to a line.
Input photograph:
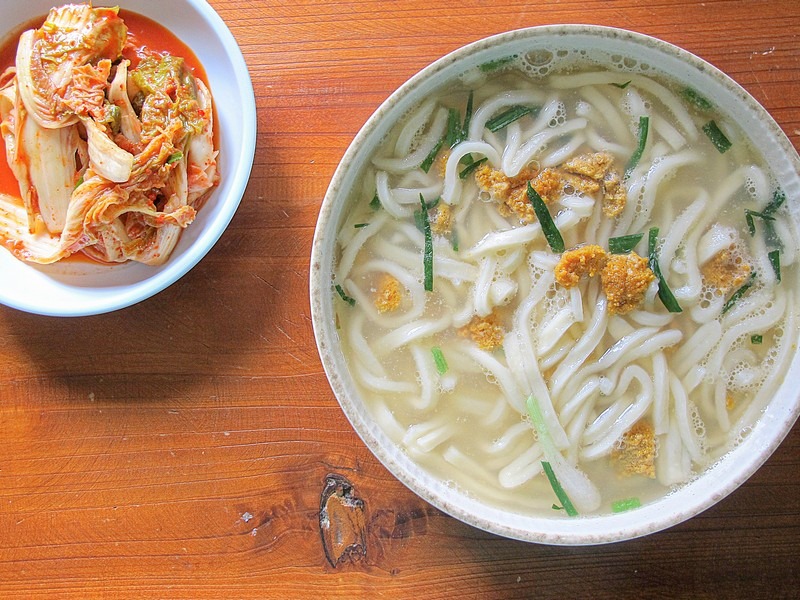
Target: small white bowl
[72,288]
[715,483]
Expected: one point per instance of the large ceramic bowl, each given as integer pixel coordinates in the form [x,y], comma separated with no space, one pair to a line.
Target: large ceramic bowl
[702,492]
[81,288]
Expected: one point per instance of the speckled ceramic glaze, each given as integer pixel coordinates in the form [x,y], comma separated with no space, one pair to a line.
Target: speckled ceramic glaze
[660,57]
[83,288]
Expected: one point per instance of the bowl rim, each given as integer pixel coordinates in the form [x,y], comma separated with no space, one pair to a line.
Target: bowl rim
[177,266]
[616,527]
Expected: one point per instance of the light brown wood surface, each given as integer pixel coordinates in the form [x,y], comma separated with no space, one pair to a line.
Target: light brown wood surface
[178,448]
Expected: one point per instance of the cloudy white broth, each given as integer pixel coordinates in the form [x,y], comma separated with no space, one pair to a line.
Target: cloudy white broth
[566,291]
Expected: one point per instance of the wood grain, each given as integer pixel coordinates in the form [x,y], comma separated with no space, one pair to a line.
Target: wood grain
[178,448]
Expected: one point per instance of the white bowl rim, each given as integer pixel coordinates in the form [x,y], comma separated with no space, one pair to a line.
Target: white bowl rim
[177,266]
[557,531]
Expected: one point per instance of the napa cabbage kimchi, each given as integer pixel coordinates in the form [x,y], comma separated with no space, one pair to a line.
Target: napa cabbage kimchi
[113,155]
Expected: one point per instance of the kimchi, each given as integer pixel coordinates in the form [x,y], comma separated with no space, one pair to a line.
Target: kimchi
[113,155]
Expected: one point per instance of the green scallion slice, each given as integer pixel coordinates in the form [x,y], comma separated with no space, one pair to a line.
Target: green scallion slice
[751,225]
[174,157]
[624,243]
[453,135]
[426,164]
[360,225]
[471,167]
[551,232]
[756,339]
[375,203]
[691,96]
[546,443]
[664,293]
[644,127]
[507,117]
[778,198]
[427,257]
[493,65]
[438,358]
[418,213]
[467,117]
[560,493]
[739,293]
[621,86]
[454,239]
[775,260]
[625,505]
[79,182]
[344,296]
[770,235]
[716,136]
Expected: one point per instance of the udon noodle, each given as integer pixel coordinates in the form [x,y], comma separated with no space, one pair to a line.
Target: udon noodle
[524,356]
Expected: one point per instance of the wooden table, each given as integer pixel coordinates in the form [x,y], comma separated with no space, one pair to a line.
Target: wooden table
[178,448]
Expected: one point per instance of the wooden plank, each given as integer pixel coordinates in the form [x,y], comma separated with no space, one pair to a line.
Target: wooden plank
[178,448]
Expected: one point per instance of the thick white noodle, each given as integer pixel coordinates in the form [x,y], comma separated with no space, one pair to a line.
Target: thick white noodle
[452,182]
[536,144]
[412,128]
[409,333]
[631,413]
[494,105]
[426,144]
[352,249]
[522,469]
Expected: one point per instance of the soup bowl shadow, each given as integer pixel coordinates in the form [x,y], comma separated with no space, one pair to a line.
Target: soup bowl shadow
[717,481]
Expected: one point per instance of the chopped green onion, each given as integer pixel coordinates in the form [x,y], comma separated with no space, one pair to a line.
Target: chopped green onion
[624,243]
[496,64]
[454,239]
[739,293]
[360,225]
[507,117]
[472,167]
[751,226]
[174,157]
[556,507]
[551,232]
[621,86]
[375,203]
[644,126]
[756,339]
[426,164]
[427,257]
[694,98]
[418,213]
[716,136]
[546,443]
[560,493]
[453,135]
[626,504]
[748,217]
[664,293]
[345,297]
[467,117]
[775,260]
[770,235]
[778,198]
[438,358]
[80,181]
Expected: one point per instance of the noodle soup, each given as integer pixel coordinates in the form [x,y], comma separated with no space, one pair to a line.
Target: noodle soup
[566,288]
